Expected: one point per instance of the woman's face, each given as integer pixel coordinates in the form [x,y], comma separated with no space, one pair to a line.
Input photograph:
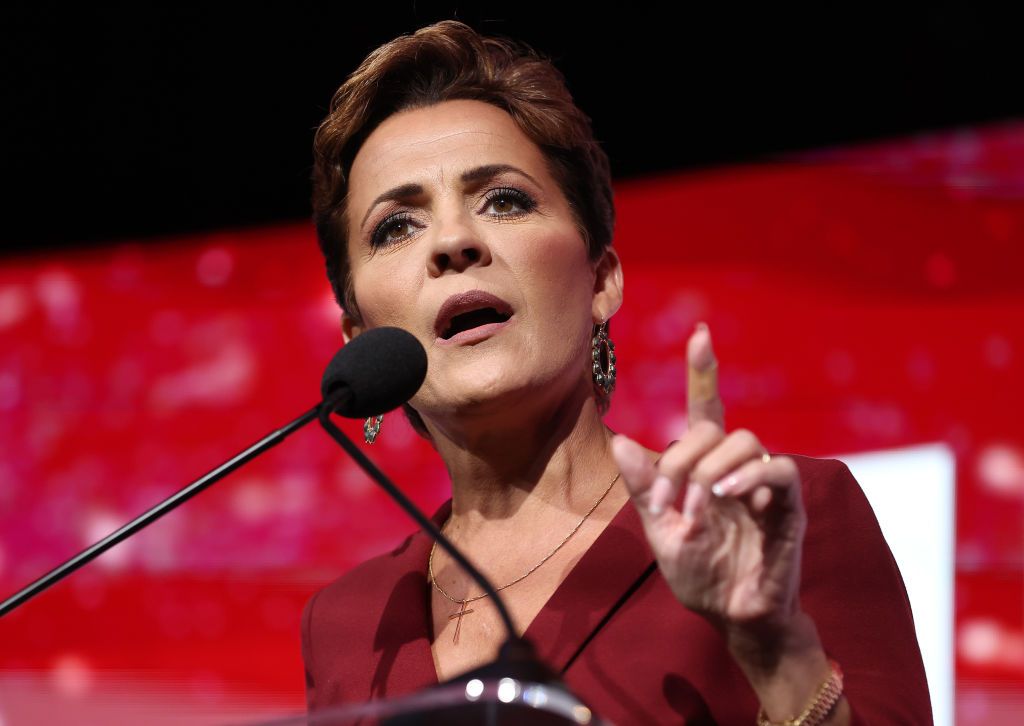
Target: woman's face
[454,199]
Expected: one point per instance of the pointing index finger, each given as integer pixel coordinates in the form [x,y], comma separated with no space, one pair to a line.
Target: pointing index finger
[703,400]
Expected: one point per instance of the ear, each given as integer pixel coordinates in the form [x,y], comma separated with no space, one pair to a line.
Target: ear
[349,327]
[607,285]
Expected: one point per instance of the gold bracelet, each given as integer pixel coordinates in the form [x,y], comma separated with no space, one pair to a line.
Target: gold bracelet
[824,701]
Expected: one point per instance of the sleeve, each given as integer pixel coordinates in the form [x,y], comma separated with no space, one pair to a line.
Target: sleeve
[852,588]
[307,650]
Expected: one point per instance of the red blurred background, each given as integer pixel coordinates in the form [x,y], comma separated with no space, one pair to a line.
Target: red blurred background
[859,299]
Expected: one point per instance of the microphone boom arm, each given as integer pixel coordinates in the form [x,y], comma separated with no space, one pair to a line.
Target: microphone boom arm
[413,511]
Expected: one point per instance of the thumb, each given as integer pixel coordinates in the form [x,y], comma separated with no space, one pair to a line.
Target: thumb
[651,492]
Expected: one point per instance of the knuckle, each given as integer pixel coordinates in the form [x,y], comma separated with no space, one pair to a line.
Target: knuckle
[674,459]
[789,466]
[707,429]
[747,438]
[703,473]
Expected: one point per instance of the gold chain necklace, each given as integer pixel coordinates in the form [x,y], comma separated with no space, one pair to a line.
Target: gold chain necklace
[462,612]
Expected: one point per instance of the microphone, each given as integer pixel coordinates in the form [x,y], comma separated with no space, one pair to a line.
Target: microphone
[374,372]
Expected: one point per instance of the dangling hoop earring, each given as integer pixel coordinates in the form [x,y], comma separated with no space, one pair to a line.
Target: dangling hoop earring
[371,427]
[604,370]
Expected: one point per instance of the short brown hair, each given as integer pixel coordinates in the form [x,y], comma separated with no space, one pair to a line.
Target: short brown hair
[446,61]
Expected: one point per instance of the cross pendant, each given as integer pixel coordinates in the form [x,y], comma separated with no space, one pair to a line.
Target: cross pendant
[458,625]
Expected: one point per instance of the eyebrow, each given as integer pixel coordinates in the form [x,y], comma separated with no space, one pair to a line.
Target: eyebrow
[476,174]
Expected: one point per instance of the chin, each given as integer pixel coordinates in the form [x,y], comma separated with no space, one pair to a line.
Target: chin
[480,389]
[501,390]
[488,387]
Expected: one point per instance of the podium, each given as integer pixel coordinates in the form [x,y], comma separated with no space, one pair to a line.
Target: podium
[476,702]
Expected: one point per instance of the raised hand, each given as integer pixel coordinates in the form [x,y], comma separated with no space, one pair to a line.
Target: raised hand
[731,551]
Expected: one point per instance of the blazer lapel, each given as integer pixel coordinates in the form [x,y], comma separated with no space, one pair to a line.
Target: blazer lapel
[403,660]
[614,566]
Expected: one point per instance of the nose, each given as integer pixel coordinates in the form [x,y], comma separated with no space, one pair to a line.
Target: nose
[457,245]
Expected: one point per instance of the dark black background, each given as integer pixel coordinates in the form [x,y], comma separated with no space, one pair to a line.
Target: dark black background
[137,120]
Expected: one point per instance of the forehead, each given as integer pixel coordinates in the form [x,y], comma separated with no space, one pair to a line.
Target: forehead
[432,144]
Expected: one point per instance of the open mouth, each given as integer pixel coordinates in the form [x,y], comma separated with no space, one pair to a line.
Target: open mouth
[473,319]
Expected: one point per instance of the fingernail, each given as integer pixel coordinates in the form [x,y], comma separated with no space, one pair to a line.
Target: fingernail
[723,487]
[661,490]
[702,325]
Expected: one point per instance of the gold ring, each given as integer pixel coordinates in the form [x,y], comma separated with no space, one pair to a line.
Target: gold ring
[766,457]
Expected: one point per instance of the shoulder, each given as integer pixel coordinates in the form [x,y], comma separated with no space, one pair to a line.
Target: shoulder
[817,472]
[341,621]
[843,538]
[348,625]
[377,575]
[839,516]
[348,604]
[828,486]
[359,583]
[845,555]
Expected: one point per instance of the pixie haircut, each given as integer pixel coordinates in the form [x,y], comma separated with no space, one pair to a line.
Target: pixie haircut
[447,61]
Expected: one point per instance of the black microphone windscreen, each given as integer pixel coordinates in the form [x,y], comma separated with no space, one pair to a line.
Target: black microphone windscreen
[382,368]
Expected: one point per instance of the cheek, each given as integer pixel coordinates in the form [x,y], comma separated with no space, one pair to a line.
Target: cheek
[384,294]
[562,276]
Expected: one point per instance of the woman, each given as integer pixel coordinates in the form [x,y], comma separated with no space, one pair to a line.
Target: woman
[460,195]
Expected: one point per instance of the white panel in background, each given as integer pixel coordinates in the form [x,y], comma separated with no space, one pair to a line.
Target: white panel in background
[913,493]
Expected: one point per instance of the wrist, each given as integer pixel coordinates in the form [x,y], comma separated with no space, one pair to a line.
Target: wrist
[827,707]
[759,645]
[784,662]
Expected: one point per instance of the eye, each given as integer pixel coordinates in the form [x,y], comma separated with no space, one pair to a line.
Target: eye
[505,198]
[383,236]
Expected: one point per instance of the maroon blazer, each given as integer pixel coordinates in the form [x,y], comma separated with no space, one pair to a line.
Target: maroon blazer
[621,640]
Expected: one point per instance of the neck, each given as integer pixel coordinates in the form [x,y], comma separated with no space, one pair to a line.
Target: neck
[502,469]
